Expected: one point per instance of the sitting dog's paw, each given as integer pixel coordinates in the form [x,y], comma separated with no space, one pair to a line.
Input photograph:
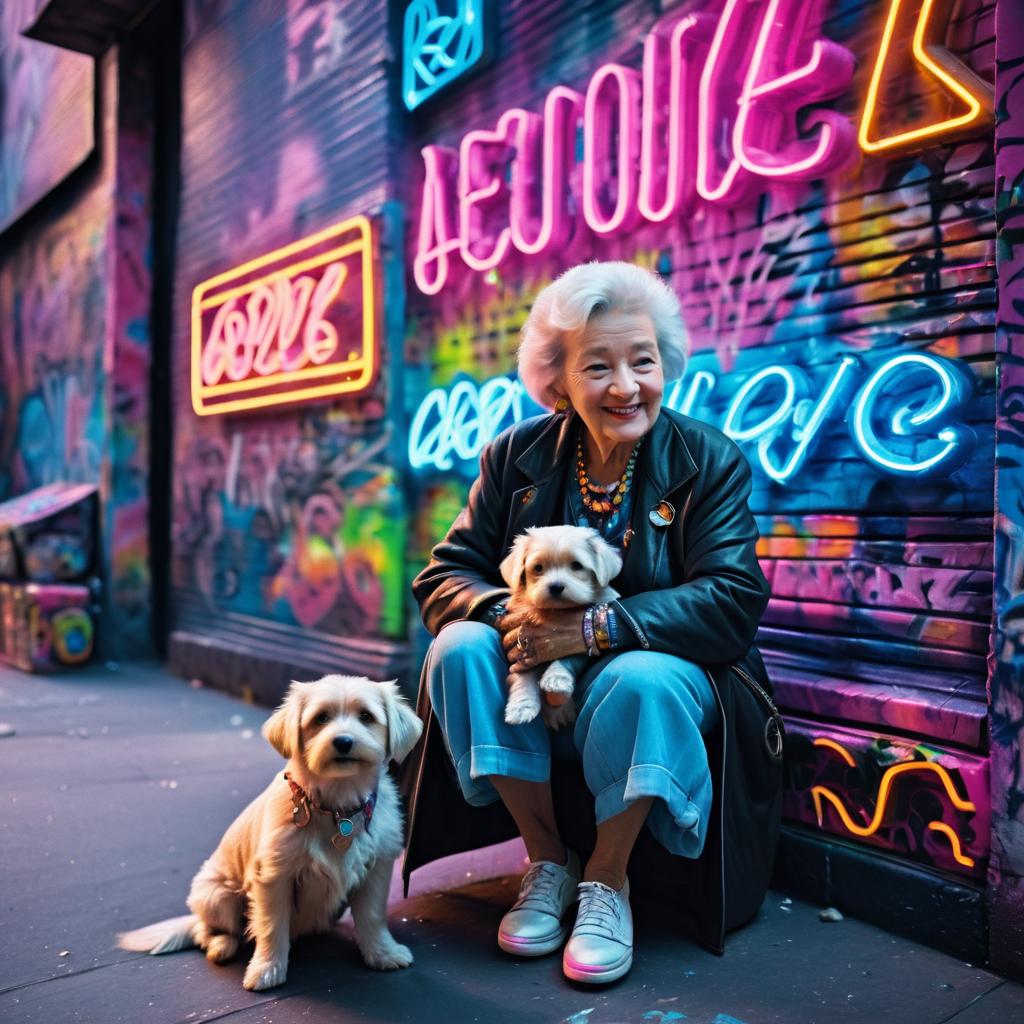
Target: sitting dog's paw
[522,708]
[261,974]
[221,948]
[557,681]
[557,717]
[387,956]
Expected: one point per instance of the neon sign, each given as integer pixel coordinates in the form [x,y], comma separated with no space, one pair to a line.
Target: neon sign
[294,325]
[819,793]
[437,49]
[941,64]
[712,115]
[651,140]
[895,419]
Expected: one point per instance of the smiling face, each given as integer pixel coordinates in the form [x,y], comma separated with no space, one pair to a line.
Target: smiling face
[613,379]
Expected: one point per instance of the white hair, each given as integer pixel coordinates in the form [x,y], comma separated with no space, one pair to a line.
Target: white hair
[568,303]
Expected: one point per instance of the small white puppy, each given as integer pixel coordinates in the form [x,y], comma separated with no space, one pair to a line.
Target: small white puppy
[547,568]
[323,834]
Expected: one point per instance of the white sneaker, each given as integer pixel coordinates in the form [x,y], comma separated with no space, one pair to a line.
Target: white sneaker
[534,926]
[601,946]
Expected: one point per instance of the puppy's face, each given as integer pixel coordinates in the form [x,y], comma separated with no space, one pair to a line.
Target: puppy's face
[342,726]
[560,566]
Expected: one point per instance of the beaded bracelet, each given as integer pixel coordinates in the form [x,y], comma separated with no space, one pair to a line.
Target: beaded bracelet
[588,632]
[601,627]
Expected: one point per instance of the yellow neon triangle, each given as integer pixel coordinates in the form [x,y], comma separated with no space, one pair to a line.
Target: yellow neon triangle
[977,98]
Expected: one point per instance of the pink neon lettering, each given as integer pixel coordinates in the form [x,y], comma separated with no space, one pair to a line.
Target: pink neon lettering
[764,138]
[714,114]
[532,233]
[437,233]
[241,343]
[483,194]
[606,119]
[664,187]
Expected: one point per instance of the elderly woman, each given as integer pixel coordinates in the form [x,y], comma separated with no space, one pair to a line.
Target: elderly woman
[672,675]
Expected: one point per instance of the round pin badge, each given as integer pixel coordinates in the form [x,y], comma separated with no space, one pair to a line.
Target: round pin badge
[662,514]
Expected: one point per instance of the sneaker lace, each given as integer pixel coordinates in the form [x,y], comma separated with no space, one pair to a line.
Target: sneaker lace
[598,912]
[538,886]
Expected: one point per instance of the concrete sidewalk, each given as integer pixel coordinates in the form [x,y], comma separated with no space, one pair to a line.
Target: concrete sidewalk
[117,784]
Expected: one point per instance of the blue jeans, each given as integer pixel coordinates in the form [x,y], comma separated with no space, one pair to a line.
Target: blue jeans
[638,731]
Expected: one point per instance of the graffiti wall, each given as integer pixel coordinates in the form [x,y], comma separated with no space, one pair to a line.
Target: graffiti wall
[1006,873]
[289,517]
[74,349]
[818,187]
[53,323]
[46,113]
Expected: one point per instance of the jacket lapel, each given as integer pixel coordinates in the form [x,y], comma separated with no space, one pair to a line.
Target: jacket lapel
[665,466]
[543,464]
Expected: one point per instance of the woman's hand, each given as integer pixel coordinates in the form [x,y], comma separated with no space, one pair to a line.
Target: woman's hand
[528,643]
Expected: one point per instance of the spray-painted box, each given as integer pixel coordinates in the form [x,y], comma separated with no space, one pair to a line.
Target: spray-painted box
[46,627]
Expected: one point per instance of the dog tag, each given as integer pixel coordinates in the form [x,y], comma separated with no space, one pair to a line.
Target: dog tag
[345,827]
[342,839]
[301,814]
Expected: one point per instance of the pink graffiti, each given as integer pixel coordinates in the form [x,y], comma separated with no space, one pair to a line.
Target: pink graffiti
[651,141]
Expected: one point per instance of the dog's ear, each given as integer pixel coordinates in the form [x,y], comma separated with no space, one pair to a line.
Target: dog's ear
[283,729]
[607,561]
[512,565]
[404,725]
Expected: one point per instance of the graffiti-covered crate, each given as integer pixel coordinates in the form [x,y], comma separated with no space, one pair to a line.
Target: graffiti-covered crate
[48,535]
[46,627]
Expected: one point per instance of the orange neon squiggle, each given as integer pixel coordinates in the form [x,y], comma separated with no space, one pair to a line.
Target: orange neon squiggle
[823,792]
[931,58]
[954,841]
[824,741]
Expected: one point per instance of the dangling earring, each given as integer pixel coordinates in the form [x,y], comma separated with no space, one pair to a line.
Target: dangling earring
[562,405]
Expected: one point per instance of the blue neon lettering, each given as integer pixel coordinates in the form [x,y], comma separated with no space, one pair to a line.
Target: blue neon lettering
[806,426]
[792,379]
[457,423]
[954,446]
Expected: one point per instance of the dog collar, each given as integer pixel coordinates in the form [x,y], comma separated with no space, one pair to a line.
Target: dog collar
[303,806]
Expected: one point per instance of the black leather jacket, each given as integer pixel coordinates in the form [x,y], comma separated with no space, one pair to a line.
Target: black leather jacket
[690,586]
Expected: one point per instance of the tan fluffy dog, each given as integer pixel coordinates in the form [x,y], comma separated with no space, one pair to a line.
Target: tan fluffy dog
[547,568]
[285,865]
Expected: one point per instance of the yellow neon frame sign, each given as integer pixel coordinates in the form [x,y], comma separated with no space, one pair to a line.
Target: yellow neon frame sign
[818,793]
[932,58]
[342,376]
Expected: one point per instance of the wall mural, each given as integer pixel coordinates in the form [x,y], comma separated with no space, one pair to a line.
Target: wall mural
[296,524]
[841,327]
[46,113]
[53,320]
[289,522]
[1006,874]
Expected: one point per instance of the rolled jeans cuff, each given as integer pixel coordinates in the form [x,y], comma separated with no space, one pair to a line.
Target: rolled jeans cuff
[482,760]
[676,820]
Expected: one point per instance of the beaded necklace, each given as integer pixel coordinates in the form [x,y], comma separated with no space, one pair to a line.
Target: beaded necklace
[596,499]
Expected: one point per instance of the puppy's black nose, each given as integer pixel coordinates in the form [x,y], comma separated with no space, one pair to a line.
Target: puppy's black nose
[554,589]
[342,744]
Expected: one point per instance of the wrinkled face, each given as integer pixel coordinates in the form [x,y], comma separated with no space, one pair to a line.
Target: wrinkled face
[342,726]
[613,377]
[560,566]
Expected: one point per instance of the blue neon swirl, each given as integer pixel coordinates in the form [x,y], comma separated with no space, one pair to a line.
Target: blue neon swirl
[436,48]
